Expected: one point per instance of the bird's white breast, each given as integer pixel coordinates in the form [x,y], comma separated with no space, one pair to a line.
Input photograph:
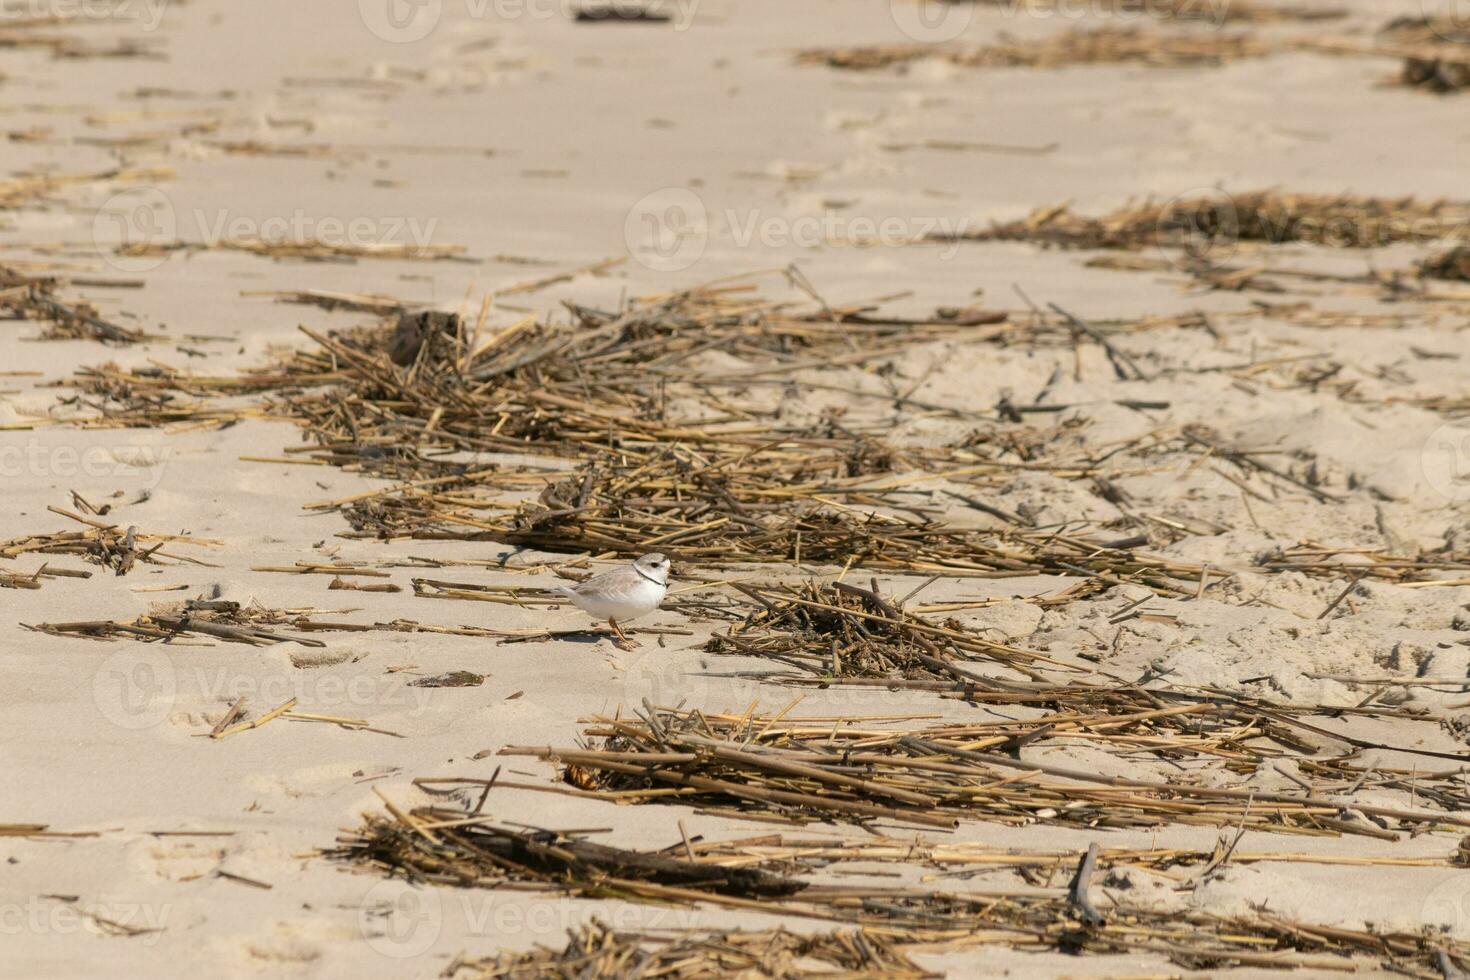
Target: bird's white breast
[638,598]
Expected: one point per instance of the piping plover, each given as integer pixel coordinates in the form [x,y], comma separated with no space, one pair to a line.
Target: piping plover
[623,594]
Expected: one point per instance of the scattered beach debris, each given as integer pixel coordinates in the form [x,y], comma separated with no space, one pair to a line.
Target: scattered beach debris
[21,32]
[24,297]
[455,678]
[1440,75]
[621,12]
[28,189]
[217,618]
[231,723]
[104,544]
[1450,264]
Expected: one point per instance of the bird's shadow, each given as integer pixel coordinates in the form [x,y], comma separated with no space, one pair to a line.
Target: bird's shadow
[585,636]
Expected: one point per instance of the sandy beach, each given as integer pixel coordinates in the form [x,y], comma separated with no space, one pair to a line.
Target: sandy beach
[1124,395]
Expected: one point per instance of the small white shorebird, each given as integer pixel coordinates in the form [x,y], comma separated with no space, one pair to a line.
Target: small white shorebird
[623,594]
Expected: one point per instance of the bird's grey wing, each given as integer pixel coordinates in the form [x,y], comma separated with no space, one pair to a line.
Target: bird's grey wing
[614,580]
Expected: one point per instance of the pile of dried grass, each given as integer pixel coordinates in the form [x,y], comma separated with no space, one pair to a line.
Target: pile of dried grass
[1186,11]
[1451,264]
[1078,47]
[841,630]
[831,769]
[1438,75]
[1339,220]
[1424,29]
[719,505]
[25,297]
[447,848]
[18,32]
[594,952]
[666,461]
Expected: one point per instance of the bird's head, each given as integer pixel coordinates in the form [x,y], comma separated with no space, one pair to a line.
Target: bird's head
[655,566]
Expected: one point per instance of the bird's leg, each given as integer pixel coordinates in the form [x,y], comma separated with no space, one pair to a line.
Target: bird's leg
[622,642]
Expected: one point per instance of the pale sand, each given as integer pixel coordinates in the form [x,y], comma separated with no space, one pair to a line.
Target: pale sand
[626,111]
